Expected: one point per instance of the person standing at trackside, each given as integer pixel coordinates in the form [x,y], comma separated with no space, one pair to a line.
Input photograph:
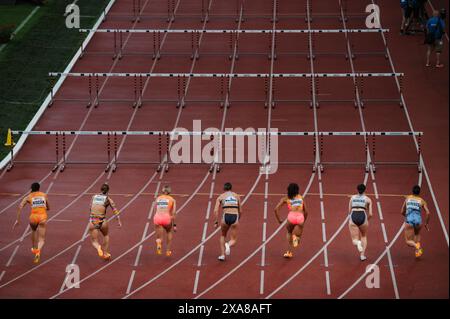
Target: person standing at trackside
[230,203]
[406,16]
[435,31]
[296,217]
[412,210]
[98,222]
[164,219]
[360,208]
[38,218]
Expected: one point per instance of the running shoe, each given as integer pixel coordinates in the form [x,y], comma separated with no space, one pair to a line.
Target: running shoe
[227,249]
[362,257]
[419,252]
[221,258]
[37,258]
[288,254]
[168,253]
[107,256]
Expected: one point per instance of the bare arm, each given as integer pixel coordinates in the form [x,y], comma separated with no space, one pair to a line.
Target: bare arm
[305,212]
[216,211]
[239,207]
[427,212]
[46,202]
[370,209]
[116,212]
[19,210]
[403,211]
[174,211]
[277,208]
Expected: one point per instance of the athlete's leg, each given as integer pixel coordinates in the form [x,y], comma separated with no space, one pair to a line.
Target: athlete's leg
[169,231]
[409,235]
[363,230]
[233,234]
[290,228]
[224,228]
[34,235]
[94,239]
[105,232]
[159,235]
[41,230]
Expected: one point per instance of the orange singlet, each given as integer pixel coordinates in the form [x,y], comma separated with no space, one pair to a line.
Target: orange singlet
[164,206]
[38,203]
[295,207]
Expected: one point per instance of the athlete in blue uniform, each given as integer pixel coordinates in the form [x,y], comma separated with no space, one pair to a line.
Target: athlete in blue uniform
[412,210]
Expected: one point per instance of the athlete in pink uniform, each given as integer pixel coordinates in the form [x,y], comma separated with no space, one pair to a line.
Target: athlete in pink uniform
[296,217]
[164,219]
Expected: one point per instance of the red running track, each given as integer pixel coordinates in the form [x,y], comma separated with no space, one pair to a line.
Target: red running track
[326,264]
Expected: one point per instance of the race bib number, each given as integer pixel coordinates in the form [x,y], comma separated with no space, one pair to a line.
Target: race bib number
[38,202]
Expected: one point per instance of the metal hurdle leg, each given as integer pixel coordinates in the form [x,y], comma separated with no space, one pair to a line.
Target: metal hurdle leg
[90,91]
[158,169]
[11,161]
[57,153]
[181,89]
[63,163]
[108,152]
[114,164]
[166,169]
[96,101]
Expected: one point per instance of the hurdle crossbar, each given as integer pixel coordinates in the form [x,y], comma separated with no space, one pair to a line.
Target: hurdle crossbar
[229,75]
[216,133]
[225,31]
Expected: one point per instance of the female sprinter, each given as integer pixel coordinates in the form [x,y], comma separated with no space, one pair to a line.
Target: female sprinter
[358,224]
[231,207]
[164,220]
[296,217]
[412,210]
[38,218]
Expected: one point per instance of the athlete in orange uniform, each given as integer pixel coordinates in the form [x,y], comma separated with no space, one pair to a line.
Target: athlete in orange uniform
[296,217]
[97,221]
[164,219]
[412,210]
[38,218]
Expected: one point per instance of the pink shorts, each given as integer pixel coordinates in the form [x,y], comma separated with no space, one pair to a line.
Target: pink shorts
[162,220]
[296,218]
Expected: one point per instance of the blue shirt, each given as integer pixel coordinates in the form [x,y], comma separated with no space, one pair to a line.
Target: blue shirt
[433,27]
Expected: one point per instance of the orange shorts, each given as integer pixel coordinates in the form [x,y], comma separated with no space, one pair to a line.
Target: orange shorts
[36,219]
[296,218]
[162,220]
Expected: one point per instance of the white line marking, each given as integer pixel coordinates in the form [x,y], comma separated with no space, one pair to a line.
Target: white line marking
[138,256]
[327,279]
[12,256]
[322,211]
[380,212]
[145,231]
[383,229]
[200,257]
[324,234]
[2,274]
[261,285]
[130,282]
[205,228]
[197,276]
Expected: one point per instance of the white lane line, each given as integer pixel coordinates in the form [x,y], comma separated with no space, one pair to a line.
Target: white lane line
[197,277]
[383,229]
[327,279]
[200,257]
[130,282]
[12,256]
[138,256]
[2,274]
[324,234]
[261,285]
